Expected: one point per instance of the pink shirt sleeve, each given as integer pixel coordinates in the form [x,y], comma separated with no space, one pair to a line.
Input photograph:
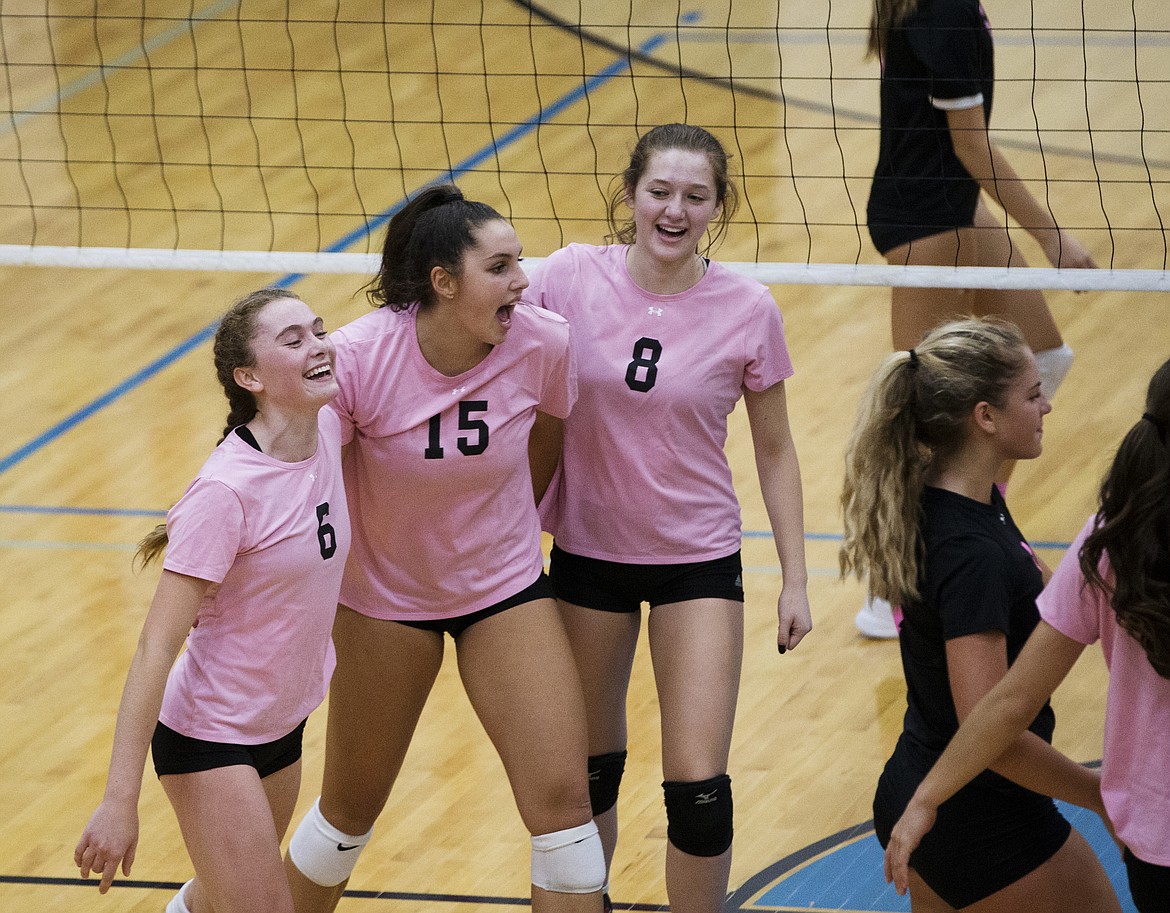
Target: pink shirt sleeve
[766,359]
[204,531]
[1066,603]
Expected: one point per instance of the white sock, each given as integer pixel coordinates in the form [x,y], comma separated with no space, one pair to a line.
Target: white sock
[178,904]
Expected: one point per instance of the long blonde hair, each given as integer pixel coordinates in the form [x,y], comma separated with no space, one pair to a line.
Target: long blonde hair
[886,15]
[916,406]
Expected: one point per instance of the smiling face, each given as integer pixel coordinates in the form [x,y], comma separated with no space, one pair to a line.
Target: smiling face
[1019,420]
[292,365]
[489,285]
[673,203]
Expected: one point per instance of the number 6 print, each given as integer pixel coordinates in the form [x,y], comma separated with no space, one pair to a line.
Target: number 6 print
[326,537]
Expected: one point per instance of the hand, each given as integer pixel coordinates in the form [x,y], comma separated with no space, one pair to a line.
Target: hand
[110,837]
[795,617]
[1063,250]
[914,824]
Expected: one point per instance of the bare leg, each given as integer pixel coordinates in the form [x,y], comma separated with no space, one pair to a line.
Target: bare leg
[367,735]
[1071,880]
[521,679]
[1026,308]
[923,899]
[914,312]
[697,650]
[232,824]
[603,645]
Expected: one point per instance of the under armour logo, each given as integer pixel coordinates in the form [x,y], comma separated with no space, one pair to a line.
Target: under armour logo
[705,798]
[654,312]
[457,391]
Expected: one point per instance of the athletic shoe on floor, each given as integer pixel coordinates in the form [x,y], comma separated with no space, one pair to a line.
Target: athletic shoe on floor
[876,620]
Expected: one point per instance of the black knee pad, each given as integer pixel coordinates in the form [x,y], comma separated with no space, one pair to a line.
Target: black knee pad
[698,815]
[605,776]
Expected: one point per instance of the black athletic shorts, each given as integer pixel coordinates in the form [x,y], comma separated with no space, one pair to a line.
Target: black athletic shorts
[175,753]
[887,236]
[613,586]
[989,835]
[1149,884]
[541,589]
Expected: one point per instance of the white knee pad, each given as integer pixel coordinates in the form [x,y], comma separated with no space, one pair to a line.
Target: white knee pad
[1053,365]
[178,903]
[322,853]
[569,861]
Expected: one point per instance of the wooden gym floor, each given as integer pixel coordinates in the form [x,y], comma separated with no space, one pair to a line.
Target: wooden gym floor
[109,405]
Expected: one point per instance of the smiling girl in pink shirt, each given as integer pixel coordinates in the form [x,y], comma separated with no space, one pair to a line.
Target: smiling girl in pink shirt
[254,556]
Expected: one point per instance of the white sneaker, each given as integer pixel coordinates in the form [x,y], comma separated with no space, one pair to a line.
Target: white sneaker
[876,620]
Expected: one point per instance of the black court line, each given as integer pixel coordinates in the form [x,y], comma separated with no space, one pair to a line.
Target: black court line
[762,879]
[744,87]
[363,895]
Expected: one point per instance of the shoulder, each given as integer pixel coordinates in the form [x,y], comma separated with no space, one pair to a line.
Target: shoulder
[739,288]
[329,425]
[540,323]
[574,259]
[378,323]
[953,525]
[212,493]
[941,14]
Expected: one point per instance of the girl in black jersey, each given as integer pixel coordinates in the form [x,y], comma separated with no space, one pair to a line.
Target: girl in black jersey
[926,206]
[926,525]
[1112,586]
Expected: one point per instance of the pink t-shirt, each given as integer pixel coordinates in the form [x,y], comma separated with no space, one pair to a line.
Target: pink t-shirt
[436,467]
[272,537]
[644,478]
[1135,771]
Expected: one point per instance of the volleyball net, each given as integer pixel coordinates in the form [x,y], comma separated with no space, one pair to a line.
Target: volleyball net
[263,137]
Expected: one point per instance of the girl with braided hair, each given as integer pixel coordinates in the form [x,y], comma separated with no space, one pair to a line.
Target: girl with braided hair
[255,551]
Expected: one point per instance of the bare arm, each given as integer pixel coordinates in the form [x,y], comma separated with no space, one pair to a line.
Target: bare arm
[985,163]
[111,836]
[779,472]
[544,451]
[994,734]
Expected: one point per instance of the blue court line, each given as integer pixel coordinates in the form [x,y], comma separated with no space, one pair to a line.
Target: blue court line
[141,376]
[81,511]
[134,380]
[52,102]
[59,546]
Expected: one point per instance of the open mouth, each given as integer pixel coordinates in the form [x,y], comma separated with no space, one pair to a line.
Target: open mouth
[321,372]
[672,233]
[504,315]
